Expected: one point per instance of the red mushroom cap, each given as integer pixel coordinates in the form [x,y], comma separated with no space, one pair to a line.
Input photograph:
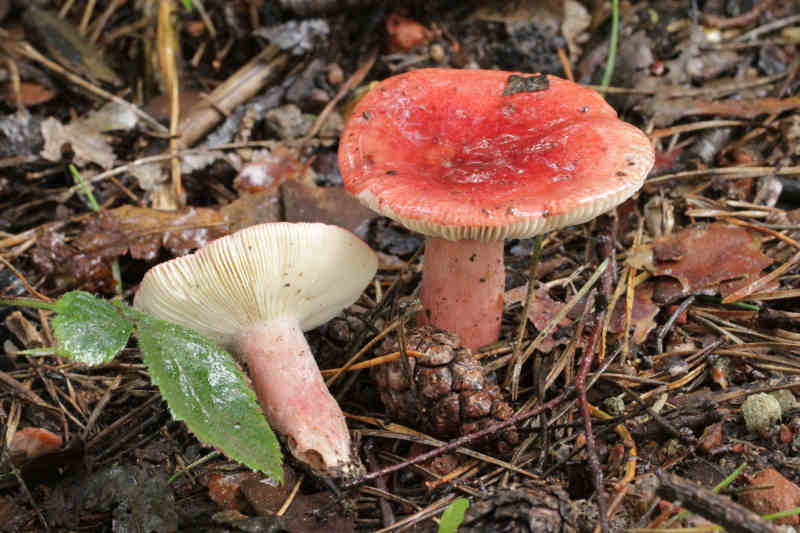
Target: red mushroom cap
[447,154]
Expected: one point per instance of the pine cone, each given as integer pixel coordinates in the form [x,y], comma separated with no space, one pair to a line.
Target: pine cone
[539,507]
[453,396]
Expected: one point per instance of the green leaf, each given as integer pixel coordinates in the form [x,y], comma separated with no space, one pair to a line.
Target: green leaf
[89,329]
[203,387]
[453,516]
[187,4]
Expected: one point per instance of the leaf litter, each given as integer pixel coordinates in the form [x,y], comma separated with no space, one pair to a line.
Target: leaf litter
[703,282]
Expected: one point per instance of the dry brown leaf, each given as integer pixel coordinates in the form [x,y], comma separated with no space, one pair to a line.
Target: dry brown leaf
[711,259]
[89,146]
[31,93]
[86,260]
[543,309]
[85,135]
[65,43]
[643,314]
[781,495]
[329,205]
[270,168]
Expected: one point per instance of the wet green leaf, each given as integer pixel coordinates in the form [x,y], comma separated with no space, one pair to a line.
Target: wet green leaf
[203,387]
[88,329]
[453,516]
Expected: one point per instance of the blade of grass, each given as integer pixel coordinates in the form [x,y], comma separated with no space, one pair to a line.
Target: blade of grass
[86,189]
[612,45]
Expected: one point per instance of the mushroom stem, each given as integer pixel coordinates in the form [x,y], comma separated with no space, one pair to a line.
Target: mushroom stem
[294,396]
[462,289]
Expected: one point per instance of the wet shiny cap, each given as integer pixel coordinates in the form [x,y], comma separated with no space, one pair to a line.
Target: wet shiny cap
[488,155]
[277,270]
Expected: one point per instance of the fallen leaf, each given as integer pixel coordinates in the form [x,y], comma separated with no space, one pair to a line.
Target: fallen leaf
[85,260]
[542,310]
[20,135]
[224,490]
[24,330]
[143,231]
[298,37]
[711,438]
[329,205]
[302,514]
[576,21]
[160,107]
[66,44]
[643,314]
[85,135]
[267,171]
[781,496]
[89,146]
[711,259]
[31,93]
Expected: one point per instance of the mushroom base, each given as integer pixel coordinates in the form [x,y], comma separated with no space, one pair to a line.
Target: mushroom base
[462,289]
[294,396]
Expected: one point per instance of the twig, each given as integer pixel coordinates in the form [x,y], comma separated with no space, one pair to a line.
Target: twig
[562,56]
[28,286]
[721,510]
[167,50]
[670,321]
[290,498]
[591,445]
[537,255]
[743,172]
[386,510]
[742,20]
[351,83]
[768,28]
[750,288]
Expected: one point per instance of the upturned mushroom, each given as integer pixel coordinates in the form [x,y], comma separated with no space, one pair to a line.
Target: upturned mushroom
[255,292]
[472,157]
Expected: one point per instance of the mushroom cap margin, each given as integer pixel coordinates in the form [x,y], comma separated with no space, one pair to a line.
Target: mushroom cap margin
[446,153]
[308,271]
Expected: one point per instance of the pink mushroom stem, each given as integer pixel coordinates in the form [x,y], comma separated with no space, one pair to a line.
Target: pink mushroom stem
[293,395]
[462,289]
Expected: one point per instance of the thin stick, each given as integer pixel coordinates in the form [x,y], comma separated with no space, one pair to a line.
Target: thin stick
[591,445]
[167,50]
[375,361]
[290,498]
[39,304]
[562,56]
[537,255]
[745,172]
[351,83]
[87,16]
